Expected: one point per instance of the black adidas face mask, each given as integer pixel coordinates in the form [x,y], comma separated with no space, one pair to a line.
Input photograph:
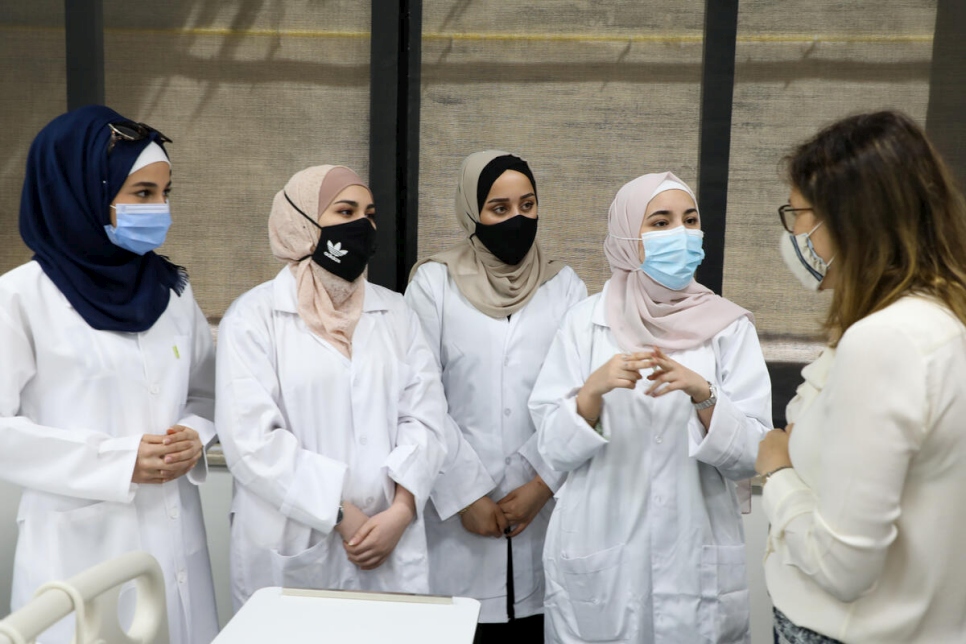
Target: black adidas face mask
[343,249]
[510,240]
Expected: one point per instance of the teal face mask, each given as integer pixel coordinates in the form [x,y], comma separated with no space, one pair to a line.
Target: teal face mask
[671,256]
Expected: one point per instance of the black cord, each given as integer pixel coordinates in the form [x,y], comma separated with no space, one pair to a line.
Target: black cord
[510,599]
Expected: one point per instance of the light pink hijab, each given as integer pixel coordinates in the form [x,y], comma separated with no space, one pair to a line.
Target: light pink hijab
[329,305]
[642,313]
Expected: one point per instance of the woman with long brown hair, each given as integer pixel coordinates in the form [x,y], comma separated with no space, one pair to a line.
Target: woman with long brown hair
[865,532]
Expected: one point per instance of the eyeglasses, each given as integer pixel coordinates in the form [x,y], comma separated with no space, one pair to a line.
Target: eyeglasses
[132,131]
[787,214]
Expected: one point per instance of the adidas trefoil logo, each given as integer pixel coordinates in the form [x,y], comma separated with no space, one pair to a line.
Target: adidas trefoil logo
[335,251]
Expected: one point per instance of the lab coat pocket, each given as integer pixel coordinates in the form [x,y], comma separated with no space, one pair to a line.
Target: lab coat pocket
[724,594]
[90,534]
[593,586]
[305,569]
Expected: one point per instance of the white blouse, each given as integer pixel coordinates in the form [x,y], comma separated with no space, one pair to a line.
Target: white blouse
[867,529]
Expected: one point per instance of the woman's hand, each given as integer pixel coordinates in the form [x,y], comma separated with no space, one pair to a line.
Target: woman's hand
[620,372]
[485,518]
[352,519]
[523,504]
[773,451]
[184,450]
[675,377]
[150,460]
[165,458]
[372,544]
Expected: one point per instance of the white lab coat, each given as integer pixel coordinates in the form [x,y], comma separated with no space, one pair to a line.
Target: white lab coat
[646,542]
[74,402]
[489,366]
[303,428]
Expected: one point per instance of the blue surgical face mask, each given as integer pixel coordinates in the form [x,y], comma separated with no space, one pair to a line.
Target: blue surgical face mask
[141,227]
[671,256]
[802,260]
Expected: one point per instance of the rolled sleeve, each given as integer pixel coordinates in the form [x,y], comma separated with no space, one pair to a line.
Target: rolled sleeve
[206,434]
[315,492]
[464,478]
[723,445]
[531,452]
[568,441]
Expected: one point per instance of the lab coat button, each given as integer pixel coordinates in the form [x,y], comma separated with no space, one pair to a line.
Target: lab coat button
[155,389]
[507,460]
[658,439]
[369,500]
[506,362]
[363,440]
[506,412]
[182,577]
[173,513]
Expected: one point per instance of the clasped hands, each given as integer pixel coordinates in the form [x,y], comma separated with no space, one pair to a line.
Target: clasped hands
[623,371]
[165,457]
[515,511]
[368,541]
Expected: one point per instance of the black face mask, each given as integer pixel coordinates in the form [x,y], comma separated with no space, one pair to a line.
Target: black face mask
[510,240]
[343,249]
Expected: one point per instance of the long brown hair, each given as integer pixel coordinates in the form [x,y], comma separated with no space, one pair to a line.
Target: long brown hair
[895,216]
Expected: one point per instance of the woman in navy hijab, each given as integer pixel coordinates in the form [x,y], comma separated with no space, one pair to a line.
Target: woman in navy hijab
[107,379]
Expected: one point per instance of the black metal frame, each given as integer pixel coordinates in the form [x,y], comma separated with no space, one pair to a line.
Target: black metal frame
[394,137]
[947,78]
[84,31]
[714,147]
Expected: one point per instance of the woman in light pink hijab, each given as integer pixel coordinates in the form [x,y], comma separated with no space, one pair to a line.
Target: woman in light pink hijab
[329,406]
[653,399]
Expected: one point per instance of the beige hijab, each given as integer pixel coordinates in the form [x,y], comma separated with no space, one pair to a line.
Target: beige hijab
[494,288]
[329,305]
[642,313]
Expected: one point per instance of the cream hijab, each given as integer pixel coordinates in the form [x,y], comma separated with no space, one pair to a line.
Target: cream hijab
[494,288]
[329,305]
[641,312]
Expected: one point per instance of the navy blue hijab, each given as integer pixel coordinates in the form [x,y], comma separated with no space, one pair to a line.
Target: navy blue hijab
[67,192]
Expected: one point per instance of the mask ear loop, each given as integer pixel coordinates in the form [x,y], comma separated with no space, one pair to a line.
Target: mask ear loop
[473,234]
[637,239]
[299,211]
[808,236]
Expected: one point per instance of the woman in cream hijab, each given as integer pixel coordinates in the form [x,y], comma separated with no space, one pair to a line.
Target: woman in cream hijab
[490,308]
[329,406]
[653,399]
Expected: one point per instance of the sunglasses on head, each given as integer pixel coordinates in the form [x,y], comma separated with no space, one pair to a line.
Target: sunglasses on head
[132,131]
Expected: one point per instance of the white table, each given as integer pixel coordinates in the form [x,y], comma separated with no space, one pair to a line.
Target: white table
[296,616]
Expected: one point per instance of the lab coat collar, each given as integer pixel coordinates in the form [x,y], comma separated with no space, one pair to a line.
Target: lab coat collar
[599,316]
[285,299]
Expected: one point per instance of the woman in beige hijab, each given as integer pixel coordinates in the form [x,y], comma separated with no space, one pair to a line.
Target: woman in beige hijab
[653,399]
[490,308]
[329,406]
